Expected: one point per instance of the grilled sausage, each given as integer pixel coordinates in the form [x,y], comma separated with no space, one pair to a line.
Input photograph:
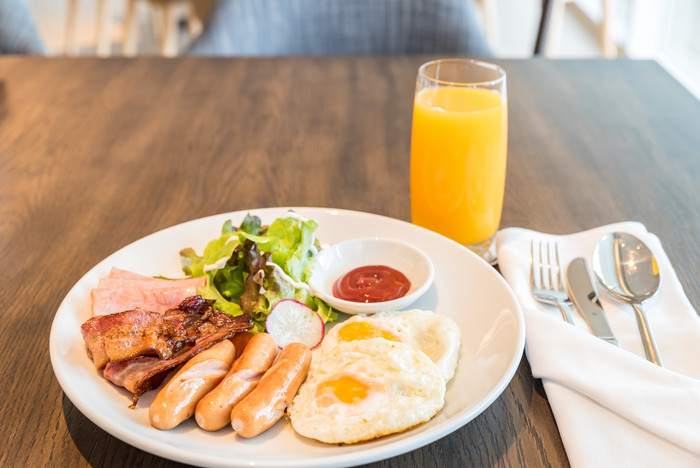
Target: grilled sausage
[176,401]
[265,405]
[214,410]
[240,340]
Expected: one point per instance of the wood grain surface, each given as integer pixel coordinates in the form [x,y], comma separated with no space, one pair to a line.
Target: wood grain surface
[96,153]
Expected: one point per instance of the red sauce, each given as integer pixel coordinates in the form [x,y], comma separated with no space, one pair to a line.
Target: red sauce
[372,283]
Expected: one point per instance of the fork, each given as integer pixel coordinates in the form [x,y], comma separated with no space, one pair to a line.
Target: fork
[546,287]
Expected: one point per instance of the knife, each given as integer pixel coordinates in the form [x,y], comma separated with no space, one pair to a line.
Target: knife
[585,297]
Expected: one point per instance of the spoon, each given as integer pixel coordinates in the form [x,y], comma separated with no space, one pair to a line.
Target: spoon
[627,269]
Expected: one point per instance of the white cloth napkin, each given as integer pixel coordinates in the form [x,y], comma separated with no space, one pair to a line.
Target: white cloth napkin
[613,407]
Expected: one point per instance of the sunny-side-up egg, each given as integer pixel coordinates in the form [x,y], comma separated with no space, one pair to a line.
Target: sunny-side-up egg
[436,335]
[364,389]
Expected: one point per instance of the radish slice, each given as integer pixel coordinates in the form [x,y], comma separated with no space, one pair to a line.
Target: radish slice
[291,321]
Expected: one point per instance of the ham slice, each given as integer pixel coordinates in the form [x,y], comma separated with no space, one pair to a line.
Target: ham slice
[118,273]
[125,290]
[107,283]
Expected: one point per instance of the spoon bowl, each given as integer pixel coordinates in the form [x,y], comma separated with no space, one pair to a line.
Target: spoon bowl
[627,270]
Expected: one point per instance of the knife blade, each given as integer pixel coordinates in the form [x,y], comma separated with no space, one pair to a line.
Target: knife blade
[584,296]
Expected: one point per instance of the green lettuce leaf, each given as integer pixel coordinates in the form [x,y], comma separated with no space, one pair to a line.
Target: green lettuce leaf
[209,291]
[291,240]
[215,251]
[245,281]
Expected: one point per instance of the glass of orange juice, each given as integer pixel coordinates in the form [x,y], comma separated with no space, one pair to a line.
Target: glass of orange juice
[458,151]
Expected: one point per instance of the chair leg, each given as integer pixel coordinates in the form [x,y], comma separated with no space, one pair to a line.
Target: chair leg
[130,32]
[489,11]
[169,33]
[102,35]
[609,47]
[556,25]
[544,27]
[71,44]
[194,22]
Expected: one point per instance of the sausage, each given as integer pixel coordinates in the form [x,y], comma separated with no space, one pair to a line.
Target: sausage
[240,340]
[177,400]
[214,410]
[265,405]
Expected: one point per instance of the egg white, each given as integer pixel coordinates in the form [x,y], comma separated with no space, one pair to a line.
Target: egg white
[404,388]
[438,336]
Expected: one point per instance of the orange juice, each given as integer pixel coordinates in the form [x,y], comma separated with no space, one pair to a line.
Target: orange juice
[458,161]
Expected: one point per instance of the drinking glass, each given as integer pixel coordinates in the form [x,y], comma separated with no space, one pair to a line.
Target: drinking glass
[458,151]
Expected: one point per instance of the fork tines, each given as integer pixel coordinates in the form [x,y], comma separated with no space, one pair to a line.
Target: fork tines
[550,287]
[545,281]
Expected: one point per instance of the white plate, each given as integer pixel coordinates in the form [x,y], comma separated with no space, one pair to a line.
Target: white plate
[340,258]
[464,287]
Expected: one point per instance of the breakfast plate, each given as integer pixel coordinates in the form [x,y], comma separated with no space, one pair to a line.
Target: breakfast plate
[464,287]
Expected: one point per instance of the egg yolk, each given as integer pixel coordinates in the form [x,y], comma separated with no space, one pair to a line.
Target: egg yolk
[364,331]
[345,388]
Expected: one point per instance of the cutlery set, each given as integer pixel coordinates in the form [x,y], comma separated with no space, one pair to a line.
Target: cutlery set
[625,268]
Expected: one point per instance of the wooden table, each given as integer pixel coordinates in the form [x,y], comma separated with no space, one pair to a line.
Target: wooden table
[95,154]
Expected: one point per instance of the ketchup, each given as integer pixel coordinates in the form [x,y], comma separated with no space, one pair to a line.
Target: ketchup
[372,283]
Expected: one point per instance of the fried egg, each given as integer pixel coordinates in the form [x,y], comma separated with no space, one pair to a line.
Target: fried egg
[363,389]
[437,336]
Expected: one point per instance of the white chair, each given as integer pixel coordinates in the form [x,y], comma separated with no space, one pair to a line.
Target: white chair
[489,13]
[102,40]
[169,15]
[550,29]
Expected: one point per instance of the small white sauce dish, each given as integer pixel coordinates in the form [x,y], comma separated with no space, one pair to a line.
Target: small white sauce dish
[343,257]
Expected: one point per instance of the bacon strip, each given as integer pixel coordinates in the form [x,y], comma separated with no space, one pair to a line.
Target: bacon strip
[95,329]
[138,332]
[143,373]
[137,347]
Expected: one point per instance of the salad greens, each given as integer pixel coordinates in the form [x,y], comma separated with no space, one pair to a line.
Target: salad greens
[252,267]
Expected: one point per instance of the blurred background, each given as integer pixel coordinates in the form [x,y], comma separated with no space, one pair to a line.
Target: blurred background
[664,30]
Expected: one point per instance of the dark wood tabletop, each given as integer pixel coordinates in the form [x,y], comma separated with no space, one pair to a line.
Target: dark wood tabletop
[97,153]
